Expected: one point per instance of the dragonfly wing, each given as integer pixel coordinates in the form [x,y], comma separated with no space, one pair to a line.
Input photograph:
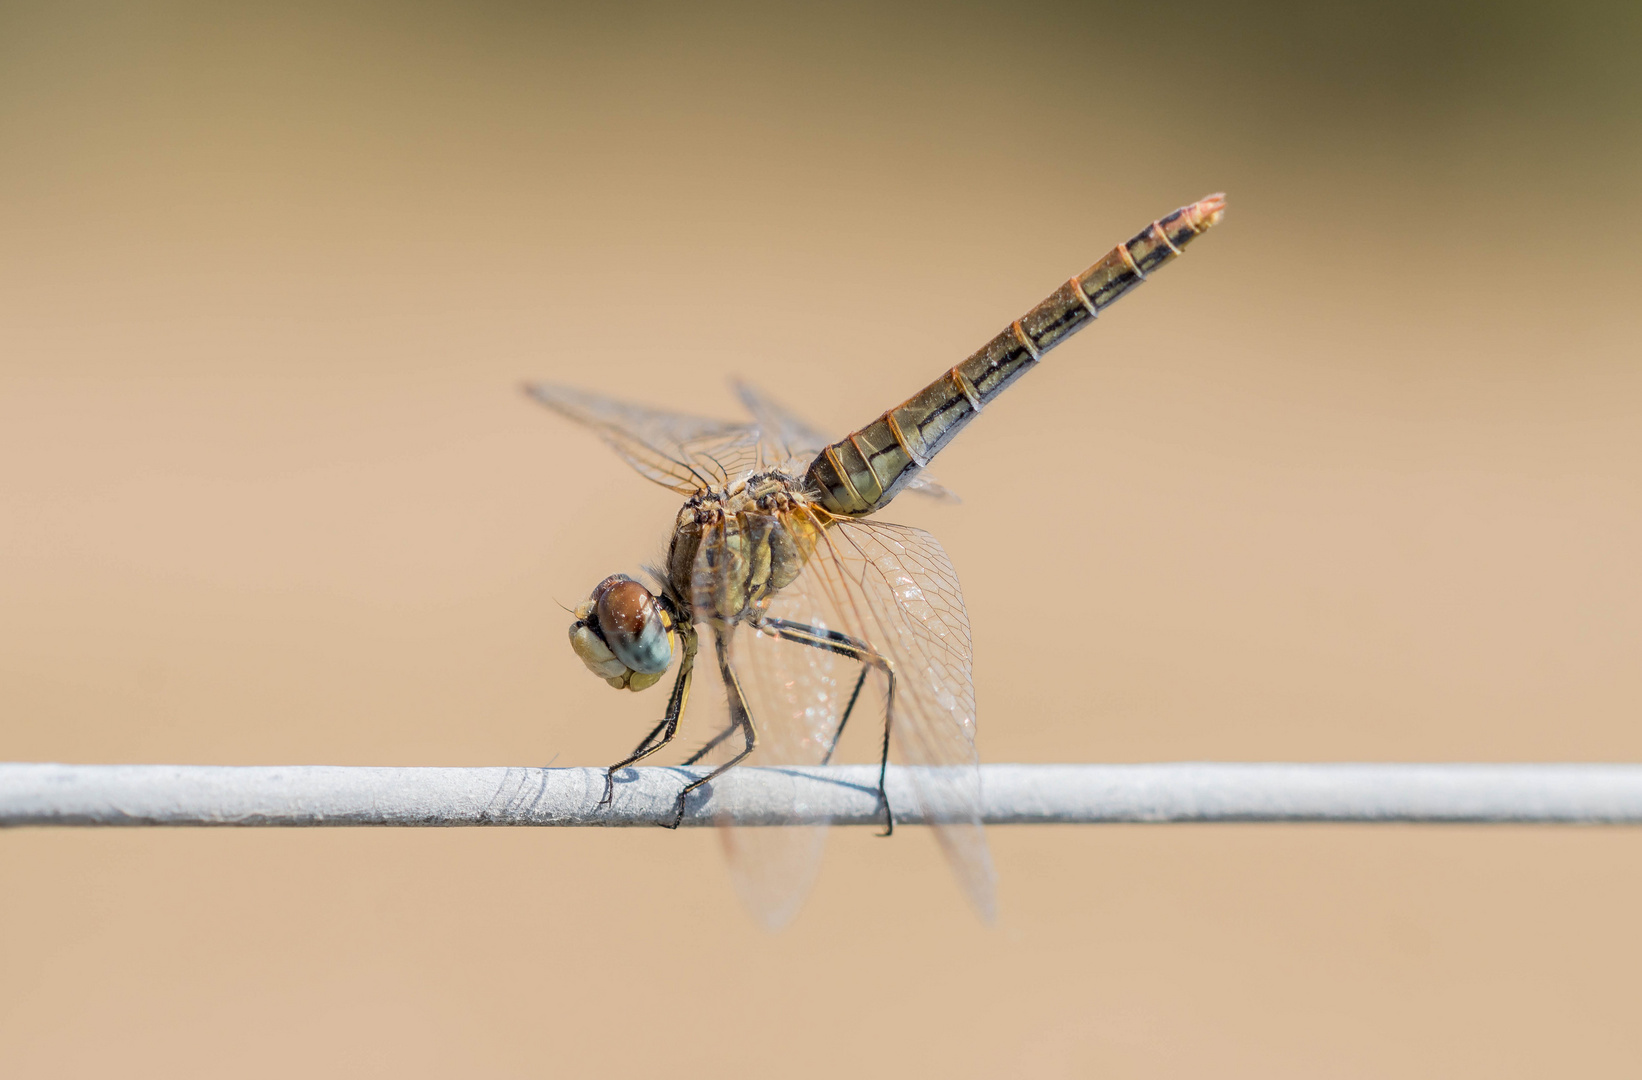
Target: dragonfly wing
[791,691]
[684,453]
[894,588]
[791,442]
[926,485]
[786,434]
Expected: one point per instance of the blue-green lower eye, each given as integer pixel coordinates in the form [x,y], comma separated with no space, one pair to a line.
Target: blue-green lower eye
[650,652]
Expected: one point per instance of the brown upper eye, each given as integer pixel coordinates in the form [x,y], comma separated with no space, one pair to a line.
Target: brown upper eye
[625,607]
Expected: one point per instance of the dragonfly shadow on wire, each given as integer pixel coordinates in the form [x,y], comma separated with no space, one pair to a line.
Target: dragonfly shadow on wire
[700,799]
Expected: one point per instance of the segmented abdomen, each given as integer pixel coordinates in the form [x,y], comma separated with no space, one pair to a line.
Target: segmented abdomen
[866,469]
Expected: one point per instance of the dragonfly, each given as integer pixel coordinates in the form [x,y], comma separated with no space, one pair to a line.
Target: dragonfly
[776,560]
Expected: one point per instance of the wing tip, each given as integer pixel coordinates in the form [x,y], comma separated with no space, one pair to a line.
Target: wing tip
[751,397]
[536,391]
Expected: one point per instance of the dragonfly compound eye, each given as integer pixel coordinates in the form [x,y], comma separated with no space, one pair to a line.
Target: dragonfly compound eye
[623,634]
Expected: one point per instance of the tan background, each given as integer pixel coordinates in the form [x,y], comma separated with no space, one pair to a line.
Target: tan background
[1359,479]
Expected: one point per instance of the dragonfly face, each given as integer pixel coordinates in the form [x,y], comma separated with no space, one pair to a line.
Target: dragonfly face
[624,634]
[804,599]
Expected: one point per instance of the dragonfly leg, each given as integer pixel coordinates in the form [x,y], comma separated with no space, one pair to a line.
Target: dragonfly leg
[667,728]
[641,751]
[868,658]
[740,718]
[839,734]
[713,743]
[883,758]
[831,747]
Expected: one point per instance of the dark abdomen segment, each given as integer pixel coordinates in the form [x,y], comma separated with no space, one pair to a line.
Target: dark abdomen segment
[865,470]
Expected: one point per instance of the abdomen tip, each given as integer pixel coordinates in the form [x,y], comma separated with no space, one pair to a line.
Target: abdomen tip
[1209,209]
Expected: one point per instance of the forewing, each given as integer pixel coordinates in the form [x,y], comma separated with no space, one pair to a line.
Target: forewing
[894,588]
[791,691]
[787,437]
[684,453]
[792,442]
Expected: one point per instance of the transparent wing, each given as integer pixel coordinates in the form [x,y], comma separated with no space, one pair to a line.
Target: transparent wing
[788,437]
[791,692]
[791,442]
[925,484]
[892,589]
[896,588]
[684,453]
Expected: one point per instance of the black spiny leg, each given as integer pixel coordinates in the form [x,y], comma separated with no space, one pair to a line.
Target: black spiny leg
[832,747]
[669,723]
[713,743]
[740,717]
[883,757]
[864,654]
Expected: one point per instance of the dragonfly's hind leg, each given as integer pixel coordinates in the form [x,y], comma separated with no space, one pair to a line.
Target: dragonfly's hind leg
[832,746]
[667,728]
[868,658]
[740,719]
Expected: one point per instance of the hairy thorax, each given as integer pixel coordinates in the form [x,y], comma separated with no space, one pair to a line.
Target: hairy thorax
[732,550]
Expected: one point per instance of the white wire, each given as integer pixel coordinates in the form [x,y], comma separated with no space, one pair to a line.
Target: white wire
[312,795]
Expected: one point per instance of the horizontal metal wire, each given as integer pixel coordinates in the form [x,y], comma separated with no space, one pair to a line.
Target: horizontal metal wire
[310,795]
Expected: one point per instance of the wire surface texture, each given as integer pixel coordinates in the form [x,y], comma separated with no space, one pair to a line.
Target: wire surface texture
[315,795]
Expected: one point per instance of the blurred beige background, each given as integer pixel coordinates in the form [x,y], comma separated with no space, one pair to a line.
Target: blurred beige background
[1358,479]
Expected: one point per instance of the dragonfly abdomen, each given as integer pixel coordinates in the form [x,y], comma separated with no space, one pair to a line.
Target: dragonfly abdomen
[863,471]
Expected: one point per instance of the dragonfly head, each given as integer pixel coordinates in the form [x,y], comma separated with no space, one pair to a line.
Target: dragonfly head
[624,633]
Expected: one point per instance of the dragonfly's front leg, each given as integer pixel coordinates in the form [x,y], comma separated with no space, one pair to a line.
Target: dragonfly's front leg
[868,658]
[740,718]
[668,727]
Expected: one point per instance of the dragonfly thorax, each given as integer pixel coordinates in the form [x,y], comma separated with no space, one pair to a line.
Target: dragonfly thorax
[734,549]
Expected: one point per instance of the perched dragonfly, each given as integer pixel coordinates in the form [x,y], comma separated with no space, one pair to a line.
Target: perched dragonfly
[774,560]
